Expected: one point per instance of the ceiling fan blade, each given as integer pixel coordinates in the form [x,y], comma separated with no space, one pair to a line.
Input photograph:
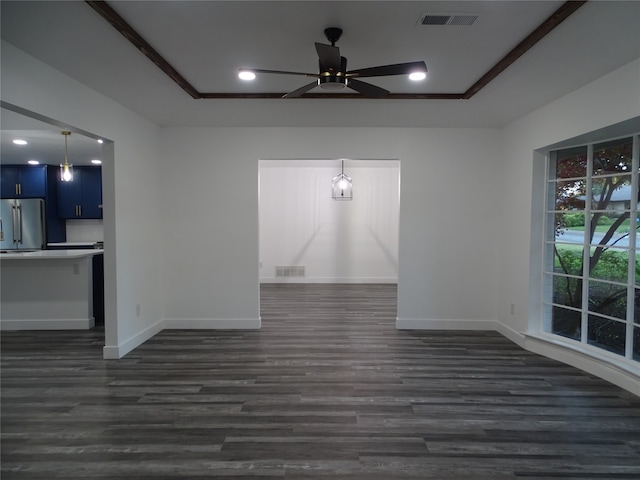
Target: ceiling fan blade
[367,89]
[388,70]
[281,72]
[329,56]
[301,90]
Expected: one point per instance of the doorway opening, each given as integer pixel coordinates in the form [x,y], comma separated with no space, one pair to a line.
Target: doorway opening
[314,248]
[87,152]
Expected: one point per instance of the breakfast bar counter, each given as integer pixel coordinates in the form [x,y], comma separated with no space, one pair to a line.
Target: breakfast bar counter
[47,289]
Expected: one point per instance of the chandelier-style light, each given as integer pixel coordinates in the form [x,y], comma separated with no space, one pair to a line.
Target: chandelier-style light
[342,187]
[66,169]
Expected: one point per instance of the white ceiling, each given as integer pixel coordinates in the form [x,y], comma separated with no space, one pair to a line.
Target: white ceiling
[207,41]
[45,142]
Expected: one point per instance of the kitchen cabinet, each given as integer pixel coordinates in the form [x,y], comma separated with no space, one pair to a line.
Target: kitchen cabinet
[82,197]
[97,274]
[59,283]
[23,182]
[35,181]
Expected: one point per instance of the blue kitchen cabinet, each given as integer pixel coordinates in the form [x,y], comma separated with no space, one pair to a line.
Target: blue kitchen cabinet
[23,181]
[9,180]
[82,197]
[91,206]
[69,196]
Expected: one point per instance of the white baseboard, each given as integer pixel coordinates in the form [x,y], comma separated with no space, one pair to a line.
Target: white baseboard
[391,280]
[438,324]
[213,323]
[110,353]
[113,352]
[516,337]
[48,324]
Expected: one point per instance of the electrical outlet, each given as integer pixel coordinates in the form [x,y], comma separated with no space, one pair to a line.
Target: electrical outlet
[513,309]
[137,310]
[76,269]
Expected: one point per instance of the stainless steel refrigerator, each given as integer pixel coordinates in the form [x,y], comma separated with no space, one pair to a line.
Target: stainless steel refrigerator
[22,224]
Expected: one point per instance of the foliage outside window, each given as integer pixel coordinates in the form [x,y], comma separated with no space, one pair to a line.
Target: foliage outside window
[592,247]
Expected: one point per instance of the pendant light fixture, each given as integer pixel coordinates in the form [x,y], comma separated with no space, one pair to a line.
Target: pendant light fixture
[66,169]
[342,187]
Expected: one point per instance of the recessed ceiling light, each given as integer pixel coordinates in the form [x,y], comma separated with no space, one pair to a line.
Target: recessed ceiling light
[417,76]
[95,161]
[33,162]
[246,75]
[17,141]
[100,140]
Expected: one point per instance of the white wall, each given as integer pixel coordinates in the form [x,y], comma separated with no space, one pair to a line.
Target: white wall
[612,99]
[448,249]
[130,189]
[181,206]
[607,101]
[352,241]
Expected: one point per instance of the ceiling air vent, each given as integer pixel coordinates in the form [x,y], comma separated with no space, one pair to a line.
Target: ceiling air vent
[447,19]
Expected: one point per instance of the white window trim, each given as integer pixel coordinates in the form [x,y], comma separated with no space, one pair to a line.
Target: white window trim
[615,368]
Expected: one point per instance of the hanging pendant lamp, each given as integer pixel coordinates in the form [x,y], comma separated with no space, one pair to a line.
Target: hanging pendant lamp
[342,187]
[66,169]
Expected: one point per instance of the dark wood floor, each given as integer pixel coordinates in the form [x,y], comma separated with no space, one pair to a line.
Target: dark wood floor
[328,389]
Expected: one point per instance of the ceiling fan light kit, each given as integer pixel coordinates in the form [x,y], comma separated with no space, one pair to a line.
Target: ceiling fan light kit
[333,74]
[333,83]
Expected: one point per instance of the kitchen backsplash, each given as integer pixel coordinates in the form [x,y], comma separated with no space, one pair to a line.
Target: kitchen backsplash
[85,231]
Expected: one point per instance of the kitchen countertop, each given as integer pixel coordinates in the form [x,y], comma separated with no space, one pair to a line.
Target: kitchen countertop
[50,254]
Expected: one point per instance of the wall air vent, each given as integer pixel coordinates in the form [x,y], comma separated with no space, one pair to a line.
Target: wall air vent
[296,271]
[447,19]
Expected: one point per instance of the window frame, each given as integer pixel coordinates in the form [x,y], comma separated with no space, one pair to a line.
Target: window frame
[547,261]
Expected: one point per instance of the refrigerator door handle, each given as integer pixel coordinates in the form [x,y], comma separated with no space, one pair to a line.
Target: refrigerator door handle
[14,220]
[19,208]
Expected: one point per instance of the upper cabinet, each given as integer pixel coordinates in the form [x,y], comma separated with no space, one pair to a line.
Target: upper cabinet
[82,197]
[23,182]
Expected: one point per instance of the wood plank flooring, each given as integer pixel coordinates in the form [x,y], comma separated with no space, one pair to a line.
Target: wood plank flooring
[328,389]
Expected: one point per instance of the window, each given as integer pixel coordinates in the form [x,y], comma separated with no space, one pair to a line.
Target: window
[592,247]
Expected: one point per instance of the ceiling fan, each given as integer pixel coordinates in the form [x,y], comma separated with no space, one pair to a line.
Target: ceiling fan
[333,73]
